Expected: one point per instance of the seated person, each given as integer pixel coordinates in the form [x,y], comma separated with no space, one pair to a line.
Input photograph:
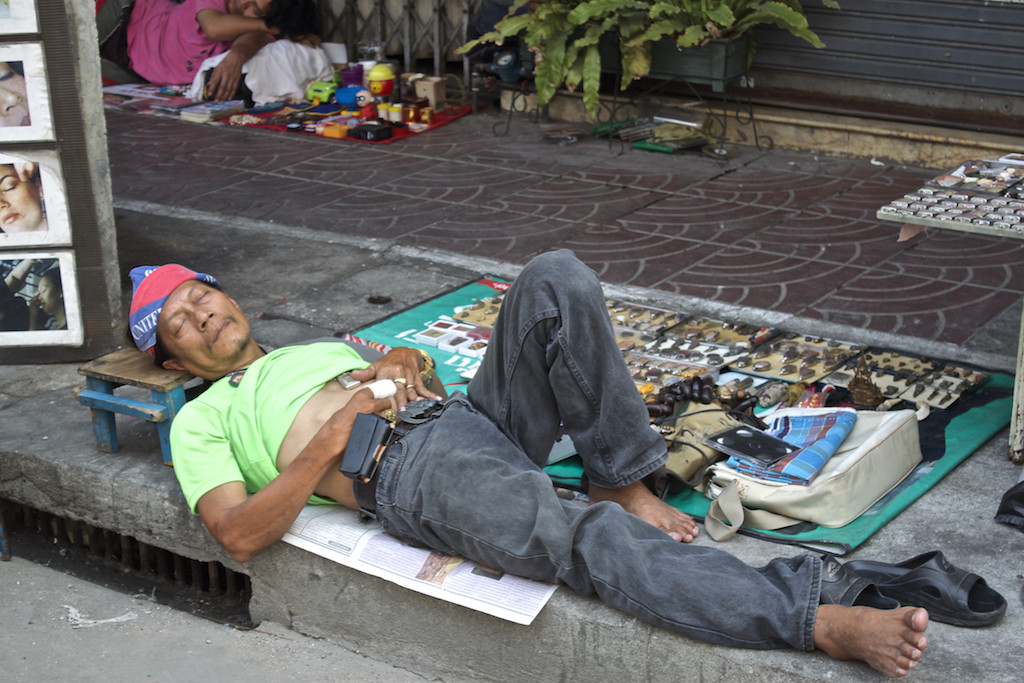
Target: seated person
[166,43]
[267,437]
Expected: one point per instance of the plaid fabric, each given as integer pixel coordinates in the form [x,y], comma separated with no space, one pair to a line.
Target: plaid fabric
[818,437]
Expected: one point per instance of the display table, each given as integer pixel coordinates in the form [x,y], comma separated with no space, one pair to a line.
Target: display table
[985,197]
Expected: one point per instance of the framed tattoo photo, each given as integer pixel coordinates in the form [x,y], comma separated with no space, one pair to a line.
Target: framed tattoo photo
[39,303]
[18,16]
[25,114]
[33,203]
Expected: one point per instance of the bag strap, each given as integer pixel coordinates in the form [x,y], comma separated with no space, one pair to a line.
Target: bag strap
[726,515]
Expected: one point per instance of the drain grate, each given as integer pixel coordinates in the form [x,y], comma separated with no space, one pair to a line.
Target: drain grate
[123,563]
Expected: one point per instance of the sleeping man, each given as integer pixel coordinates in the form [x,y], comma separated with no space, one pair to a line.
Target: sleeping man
[267,438]
[166,42]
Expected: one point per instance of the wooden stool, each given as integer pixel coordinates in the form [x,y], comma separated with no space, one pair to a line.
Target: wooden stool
[132,368]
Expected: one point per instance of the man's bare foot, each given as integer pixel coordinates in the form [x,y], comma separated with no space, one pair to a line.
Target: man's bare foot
[891,641]
[637,499]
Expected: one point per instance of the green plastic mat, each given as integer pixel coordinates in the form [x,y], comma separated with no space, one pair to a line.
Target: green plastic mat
[948,436]
[399,329]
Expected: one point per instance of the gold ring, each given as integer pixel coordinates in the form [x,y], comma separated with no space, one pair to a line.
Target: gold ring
[401,380]
[390,415]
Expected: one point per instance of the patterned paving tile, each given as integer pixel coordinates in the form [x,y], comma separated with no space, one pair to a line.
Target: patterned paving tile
[151,135]
[373,169]
[913,306]
[460,183]
[747,277]
[166,181]
[860,201]
[632,258]
[233,148]
[816,164]
[376,214]
[966,258]
[646,171]
[828,237]
[534,155]
[903,179]
[271,198]
[777,188]
[574,200]
[699,218]
[504,235]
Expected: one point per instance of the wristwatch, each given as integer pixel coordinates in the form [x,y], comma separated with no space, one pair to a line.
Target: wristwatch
[426,374]
[428,363]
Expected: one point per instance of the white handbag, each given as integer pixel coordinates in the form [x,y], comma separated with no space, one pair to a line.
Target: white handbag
[878,453]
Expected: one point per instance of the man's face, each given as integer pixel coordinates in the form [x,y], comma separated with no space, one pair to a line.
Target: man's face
[249,8]
[204,330]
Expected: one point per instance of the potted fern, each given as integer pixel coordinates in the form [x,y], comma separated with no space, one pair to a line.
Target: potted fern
[573,42]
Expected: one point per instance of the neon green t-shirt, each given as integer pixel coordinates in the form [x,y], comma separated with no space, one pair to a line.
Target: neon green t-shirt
[233,433]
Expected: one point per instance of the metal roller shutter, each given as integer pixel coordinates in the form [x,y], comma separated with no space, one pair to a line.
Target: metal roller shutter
[956,62]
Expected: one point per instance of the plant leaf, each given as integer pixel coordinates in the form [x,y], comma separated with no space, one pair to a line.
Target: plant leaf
[591,79]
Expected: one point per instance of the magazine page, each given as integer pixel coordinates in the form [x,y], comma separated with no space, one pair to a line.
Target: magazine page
[336,534]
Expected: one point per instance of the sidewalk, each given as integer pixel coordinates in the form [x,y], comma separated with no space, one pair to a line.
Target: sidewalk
[795,234]
[303,231]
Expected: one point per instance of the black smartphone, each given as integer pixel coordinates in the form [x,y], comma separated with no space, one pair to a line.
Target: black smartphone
[751,444]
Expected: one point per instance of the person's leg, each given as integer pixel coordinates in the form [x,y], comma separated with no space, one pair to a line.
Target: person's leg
[460,486]
[112,30]
[553,357]
[111,16]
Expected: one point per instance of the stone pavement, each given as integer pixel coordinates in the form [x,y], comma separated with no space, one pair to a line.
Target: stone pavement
[792,233]
[304,231]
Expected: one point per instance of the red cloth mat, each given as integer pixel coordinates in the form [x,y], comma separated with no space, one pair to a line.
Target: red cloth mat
[272,120]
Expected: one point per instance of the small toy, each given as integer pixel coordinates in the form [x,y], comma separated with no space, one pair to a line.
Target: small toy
[321,91]
[354,96]
[382,80]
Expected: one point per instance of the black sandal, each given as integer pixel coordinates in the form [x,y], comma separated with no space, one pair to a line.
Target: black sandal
[839,586]
[951,595]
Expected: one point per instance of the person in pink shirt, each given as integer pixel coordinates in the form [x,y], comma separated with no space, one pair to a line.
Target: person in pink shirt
[166,42]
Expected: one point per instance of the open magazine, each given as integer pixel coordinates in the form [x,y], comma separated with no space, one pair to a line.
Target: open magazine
[337,534]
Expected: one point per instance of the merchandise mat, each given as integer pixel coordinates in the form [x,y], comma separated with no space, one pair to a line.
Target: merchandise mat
[301,118]
[948,436]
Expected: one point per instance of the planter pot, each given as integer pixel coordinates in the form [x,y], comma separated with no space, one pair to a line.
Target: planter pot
[718,63]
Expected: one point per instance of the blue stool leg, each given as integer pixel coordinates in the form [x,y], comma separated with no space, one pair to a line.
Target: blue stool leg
[104,427]
[5,550]
[173,400]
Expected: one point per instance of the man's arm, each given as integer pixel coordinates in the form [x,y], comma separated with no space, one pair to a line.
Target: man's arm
[247,525]
[249,36]
[220,26]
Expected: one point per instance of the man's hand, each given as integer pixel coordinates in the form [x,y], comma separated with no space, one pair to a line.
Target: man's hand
[225,77]
[401,365]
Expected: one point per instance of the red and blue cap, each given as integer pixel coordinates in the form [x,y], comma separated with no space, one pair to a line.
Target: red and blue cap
[151,285]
